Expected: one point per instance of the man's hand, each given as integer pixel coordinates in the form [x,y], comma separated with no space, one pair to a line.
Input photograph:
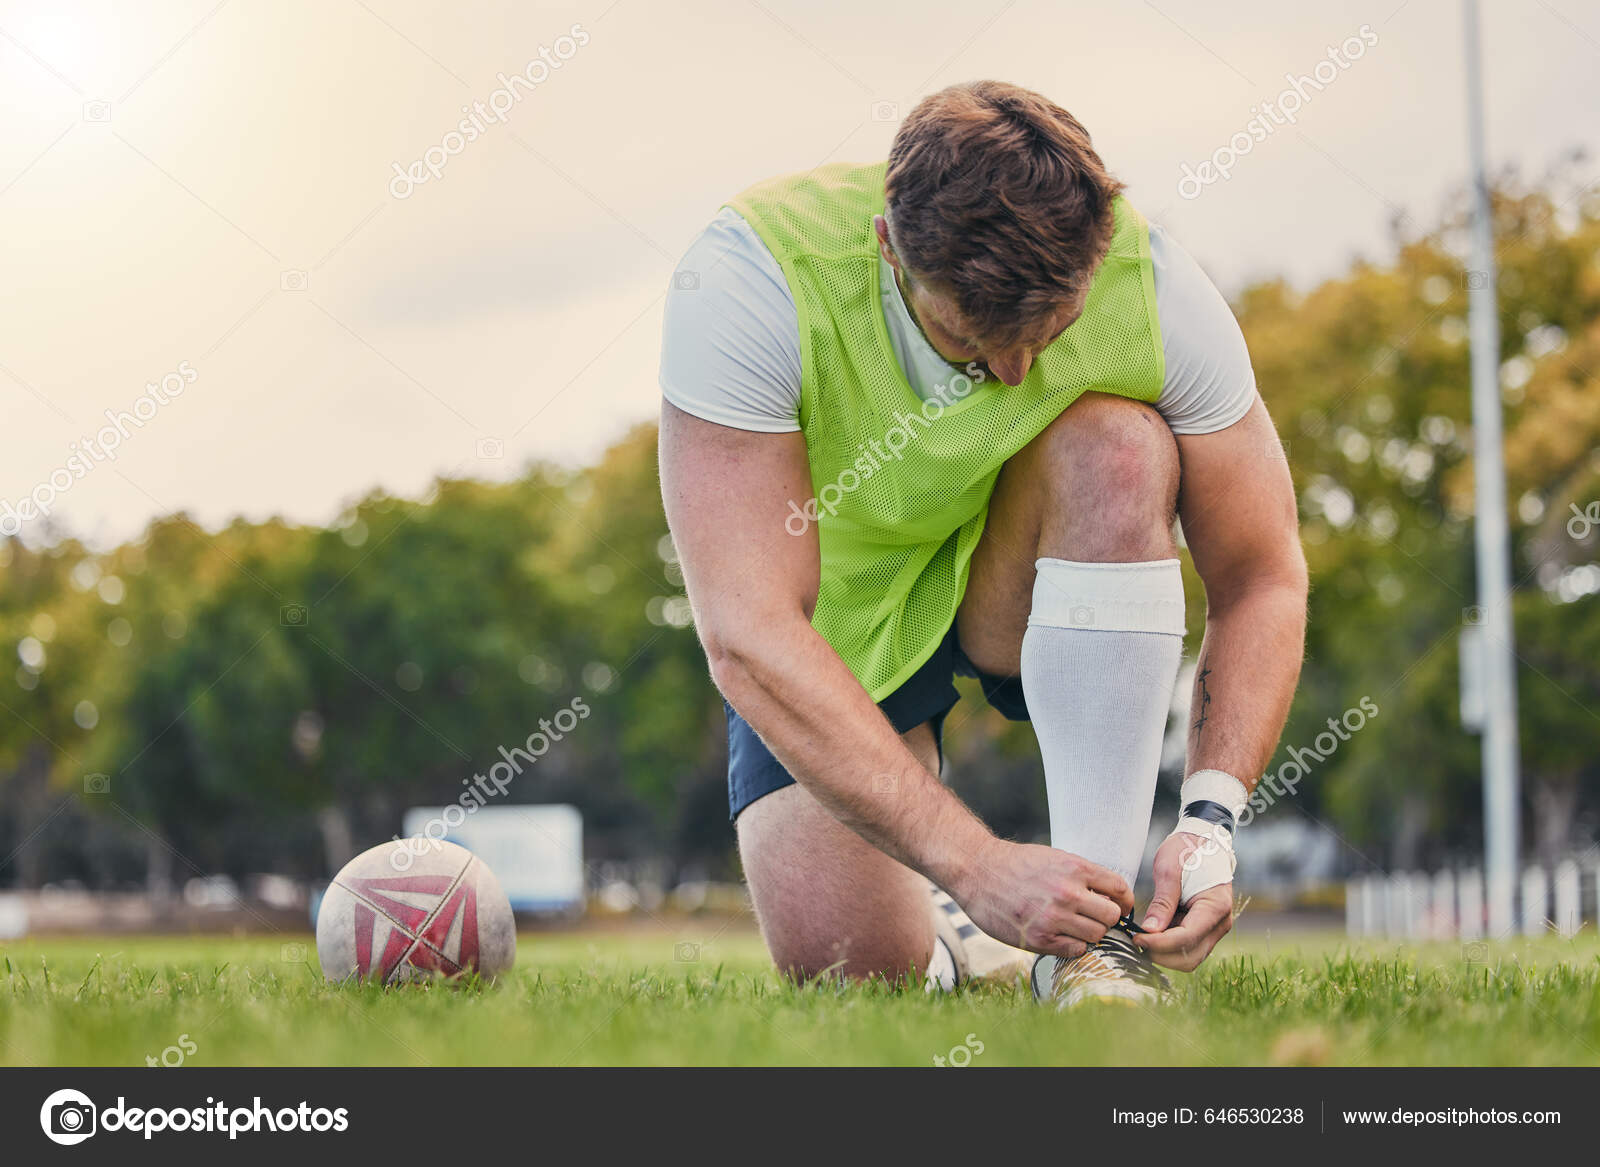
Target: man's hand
[1040,898]
[1178,937]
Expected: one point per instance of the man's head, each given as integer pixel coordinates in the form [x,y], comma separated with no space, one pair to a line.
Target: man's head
[997,212]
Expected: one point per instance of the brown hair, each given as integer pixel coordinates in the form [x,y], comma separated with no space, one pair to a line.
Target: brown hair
[996,196]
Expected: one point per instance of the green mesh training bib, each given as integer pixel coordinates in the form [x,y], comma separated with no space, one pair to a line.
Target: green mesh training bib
[902,486]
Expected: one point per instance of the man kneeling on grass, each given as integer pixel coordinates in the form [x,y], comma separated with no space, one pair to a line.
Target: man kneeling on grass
[936,417]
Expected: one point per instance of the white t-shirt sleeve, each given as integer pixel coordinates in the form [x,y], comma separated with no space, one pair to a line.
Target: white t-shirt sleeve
[730,344]
[730,350]
[1209,383]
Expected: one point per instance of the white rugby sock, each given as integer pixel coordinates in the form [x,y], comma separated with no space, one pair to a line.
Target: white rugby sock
[1099,660]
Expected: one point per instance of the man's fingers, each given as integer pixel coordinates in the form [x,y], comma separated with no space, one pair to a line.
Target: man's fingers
[1199,930]
[1087,928]
[1110,884]
[1165,901]
[1179,948]
[1098,908]
[1197,923]
[1067,948]
[1068,926]
[1159,914]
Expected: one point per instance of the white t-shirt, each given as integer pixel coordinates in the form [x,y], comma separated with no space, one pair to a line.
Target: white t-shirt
[730,350]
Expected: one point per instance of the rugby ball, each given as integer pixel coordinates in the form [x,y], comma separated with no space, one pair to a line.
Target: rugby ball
[411,909]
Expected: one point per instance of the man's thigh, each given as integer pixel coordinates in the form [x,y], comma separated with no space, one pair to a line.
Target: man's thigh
[1098,485]
[825,897]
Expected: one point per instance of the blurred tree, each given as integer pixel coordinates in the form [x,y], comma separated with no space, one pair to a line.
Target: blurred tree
[1368,380]
[274,696]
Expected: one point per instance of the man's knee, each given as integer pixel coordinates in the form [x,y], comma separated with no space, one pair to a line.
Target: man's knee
[827,900]
[1112,481]
[891,946]
[806,959]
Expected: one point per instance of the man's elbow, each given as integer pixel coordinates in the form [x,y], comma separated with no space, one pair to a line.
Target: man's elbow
[1290,574]
[754,653]
[728,661]
[1280,579]
[736,658]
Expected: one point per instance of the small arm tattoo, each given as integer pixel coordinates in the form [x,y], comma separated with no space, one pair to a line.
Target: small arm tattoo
[1205,702]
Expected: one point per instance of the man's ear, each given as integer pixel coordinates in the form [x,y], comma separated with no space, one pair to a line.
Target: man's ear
[880,226]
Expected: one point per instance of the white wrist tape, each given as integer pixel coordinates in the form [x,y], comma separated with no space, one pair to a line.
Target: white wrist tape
[1211,803]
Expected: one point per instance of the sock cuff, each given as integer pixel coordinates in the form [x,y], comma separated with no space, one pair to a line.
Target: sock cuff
[1109,597]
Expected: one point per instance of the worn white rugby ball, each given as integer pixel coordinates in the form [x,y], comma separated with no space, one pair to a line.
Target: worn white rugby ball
[411,909]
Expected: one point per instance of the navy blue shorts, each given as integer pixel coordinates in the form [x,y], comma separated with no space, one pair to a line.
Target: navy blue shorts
[927,695]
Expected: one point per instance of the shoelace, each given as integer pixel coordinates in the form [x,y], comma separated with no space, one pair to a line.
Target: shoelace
[1117,951]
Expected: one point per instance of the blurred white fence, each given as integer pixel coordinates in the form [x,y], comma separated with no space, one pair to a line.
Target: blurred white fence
[1450,904]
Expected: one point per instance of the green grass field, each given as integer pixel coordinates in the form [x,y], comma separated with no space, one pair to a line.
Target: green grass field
[625,999]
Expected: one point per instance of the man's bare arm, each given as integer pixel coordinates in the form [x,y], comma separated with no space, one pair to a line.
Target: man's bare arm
[753,585]
[1241,524]
[1240,521]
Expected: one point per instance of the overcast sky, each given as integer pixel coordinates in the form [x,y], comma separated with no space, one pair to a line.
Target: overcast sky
[208,190]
